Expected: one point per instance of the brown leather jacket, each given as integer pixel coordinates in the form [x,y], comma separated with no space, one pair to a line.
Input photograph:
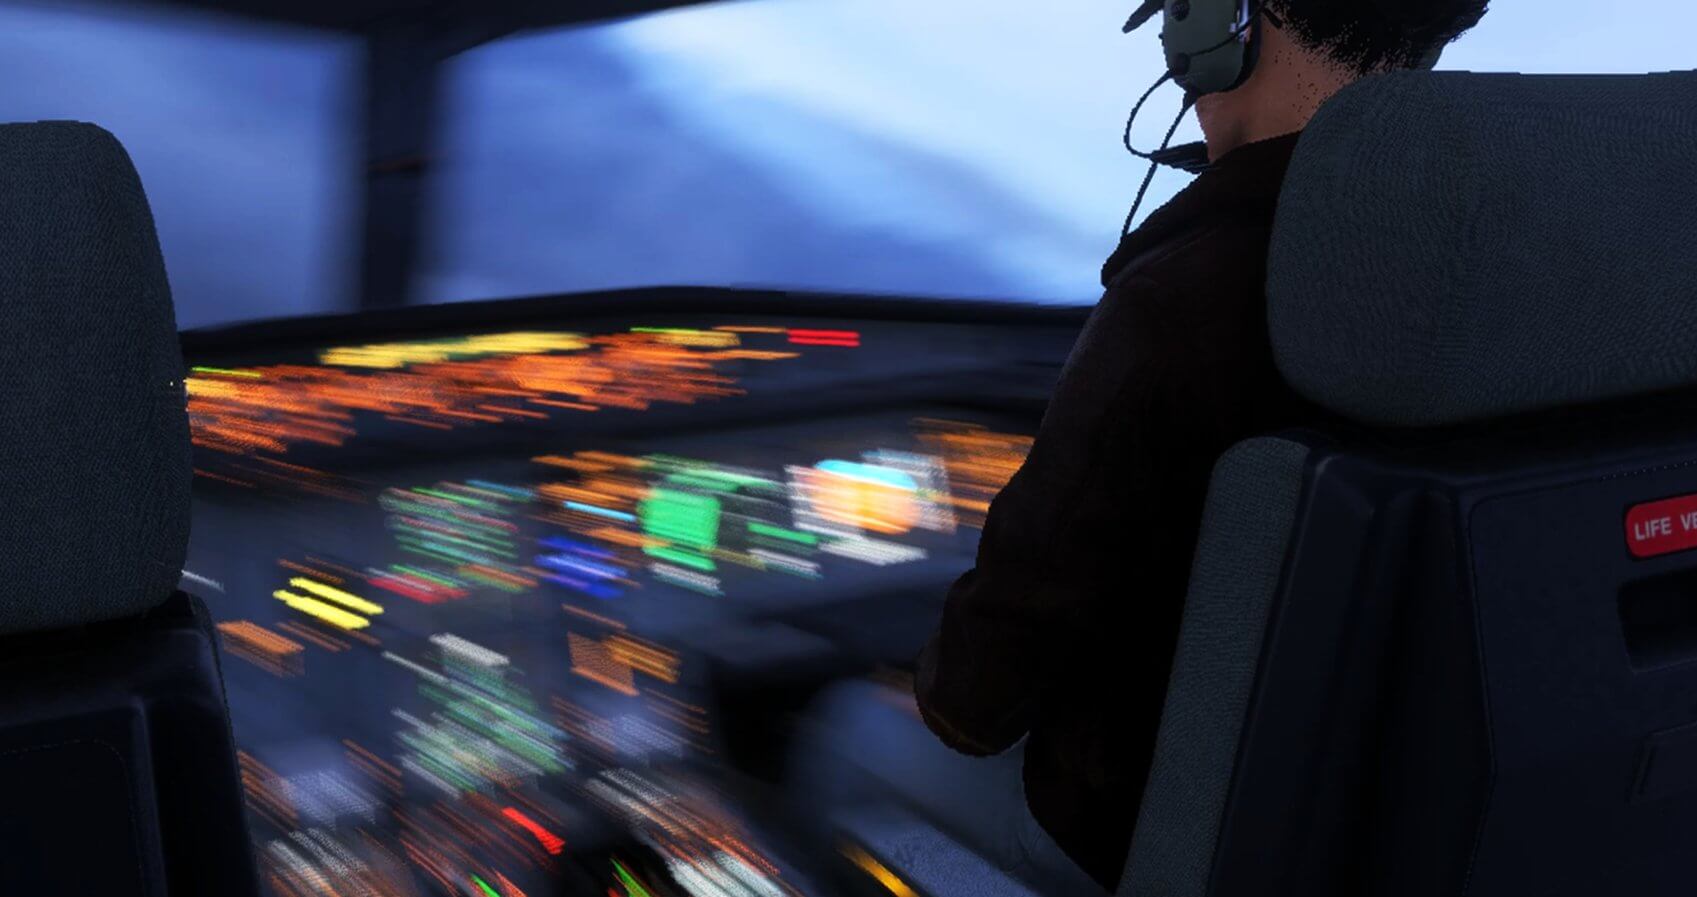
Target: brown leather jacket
[1065,629]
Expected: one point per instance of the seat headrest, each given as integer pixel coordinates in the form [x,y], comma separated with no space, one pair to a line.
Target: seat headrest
[94,439]
[1452,247]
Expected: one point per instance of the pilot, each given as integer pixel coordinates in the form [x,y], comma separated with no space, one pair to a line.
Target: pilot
[1064,632]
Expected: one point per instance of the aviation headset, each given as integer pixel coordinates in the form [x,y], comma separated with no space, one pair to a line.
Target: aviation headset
[1202,62]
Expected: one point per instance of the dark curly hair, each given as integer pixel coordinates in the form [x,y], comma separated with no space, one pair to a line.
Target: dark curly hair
[1369,37]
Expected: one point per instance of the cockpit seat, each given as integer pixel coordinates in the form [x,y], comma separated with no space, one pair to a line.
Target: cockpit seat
[117,770]
[1451,648]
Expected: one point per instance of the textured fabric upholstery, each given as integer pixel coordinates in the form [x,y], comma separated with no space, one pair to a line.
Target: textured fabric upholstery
[926,858]
[94,442]
[1452,246]
[1246,529]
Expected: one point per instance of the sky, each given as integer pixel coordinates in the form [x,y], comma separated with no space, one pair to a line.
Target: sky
[949,148]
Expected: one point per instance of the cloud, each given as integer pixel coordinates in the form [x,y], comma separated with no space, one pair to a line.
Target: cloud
[965,147]
[565,164]
[237,132]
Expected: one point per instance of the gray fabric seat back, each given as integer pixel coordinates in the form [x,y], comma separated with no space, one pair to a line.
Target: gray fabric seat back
[1454,247]
[1246,531]
[94,466]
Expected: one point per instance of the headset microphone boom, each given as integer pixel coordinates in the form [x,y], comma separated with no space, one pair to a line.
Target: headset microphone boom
[1211,46]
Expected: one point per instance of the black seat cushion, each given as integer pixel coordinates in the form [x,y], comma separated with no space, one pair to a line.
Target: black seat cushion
[94,466]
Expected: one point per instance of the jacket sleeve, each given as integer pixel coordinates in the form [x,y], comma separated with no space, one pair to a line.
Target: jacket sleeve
[1124,449]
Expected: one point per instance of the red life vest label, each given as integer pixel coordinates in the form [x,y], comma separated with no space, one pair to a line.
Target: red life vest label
[1662,527]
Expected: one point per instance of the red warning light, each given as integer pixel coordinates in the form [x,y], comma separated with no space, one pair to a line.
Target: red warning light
[550,841]
[847,339]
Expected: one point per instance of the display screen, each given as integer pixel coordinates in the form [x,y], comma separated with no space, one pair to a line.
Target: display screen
[487,598]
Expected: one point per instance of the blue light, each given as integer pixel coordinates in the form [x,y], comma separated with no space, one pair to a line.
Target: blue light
[601,512]
[882,475]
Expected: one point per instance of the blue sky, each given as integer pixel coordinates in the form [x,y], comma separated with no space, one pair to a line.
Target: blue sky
[952,147]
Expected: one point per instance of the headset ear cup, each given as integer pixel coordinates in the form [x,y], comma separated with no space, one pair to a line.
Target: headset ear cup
[1199,63]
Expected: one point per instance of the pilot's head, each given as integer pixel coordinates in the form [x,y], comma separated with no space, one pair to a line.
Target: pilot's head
[1311,48]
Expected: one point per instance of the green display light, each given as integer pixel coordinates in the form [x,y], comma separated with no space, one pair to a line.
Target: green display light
[629,881]
[766,529]
[682,518]
[684,558]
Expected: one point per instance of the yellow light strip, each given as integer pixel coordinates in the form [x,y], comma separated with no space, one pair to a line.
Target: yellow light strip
[335,616]
[876,869]
[395,355]
[331,593]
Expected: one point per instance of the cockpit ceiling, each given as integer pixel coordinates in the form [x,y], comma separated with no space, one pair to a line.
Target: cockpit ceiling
[364,15]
